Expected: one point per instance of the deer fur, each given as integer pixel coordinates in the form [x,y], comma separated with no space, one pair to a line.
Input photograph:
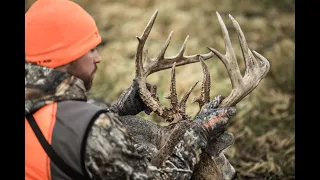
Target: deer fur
[151,141]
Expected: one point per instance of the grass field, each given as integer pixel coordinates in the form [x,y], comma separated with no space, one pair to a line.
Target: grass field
[264,145]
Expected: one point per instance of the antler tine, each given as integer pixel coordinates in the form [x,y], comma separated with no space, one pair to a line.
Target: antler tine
[183,47]
[205,89]
[163,50]
[265,65]
[249,62]
[183,101]
[173,91]
[151,63]
[229,60]
[142,40]
[255,71]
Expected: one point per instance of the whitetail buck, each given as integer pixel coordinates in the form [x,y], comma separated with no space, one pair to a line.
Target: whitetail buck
[157,141]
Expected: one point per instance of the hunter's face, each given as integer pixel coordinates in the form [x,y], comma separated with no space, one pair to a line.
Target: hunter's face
[85,67]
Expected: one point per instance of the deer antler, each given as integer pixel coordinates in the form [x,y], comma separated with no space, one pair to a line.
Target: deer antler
[205,90]
[177,111]
[241,86]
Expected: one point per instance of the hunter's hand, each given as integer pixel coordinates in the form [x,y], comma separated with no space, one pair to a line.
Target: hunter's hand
[130,103]
[214,119]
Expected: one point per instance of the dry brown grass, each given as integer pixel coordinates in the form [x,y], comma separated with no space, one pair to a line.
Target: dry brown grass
[264,124]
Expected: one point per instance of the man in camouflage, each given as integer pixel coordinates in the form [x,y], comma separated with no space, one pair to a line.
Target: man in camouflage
[109,151]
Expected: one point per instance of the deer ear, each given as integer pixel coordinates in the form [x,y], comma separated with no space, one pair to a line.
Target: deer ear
[216,146]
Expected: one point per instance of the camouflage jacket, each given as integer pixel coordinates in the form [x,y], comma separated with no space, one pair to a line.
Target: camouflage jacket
[110,152]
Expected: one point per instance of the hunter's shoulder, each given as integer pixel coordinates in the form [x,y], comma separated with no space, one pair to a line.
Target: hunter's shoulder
[99,102]
[78,108]
[75,104]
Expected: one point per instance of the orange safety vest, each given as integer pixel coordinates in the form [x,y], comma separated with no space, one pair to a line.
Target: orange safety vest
[37,162]
[56,121]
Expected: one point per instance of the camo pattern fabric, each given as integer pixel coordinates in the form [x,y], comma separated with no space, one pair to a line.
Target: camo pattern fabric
[44,85]
[110,151]
[221,140]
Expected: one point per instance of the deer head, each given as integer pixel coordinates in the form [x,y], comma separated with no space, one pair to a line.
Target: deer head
[257,67]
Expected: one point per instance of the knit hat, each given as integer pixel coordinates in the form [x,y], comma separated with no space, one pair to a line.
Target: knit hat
[58,32]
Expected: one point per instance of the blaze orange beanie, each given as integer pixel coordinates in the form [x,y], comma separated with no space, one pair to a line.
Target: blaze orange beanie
[58,32]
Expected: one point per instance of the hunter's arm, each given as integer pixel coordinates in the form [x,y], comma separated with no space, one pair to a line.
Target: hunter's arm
[110,152]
